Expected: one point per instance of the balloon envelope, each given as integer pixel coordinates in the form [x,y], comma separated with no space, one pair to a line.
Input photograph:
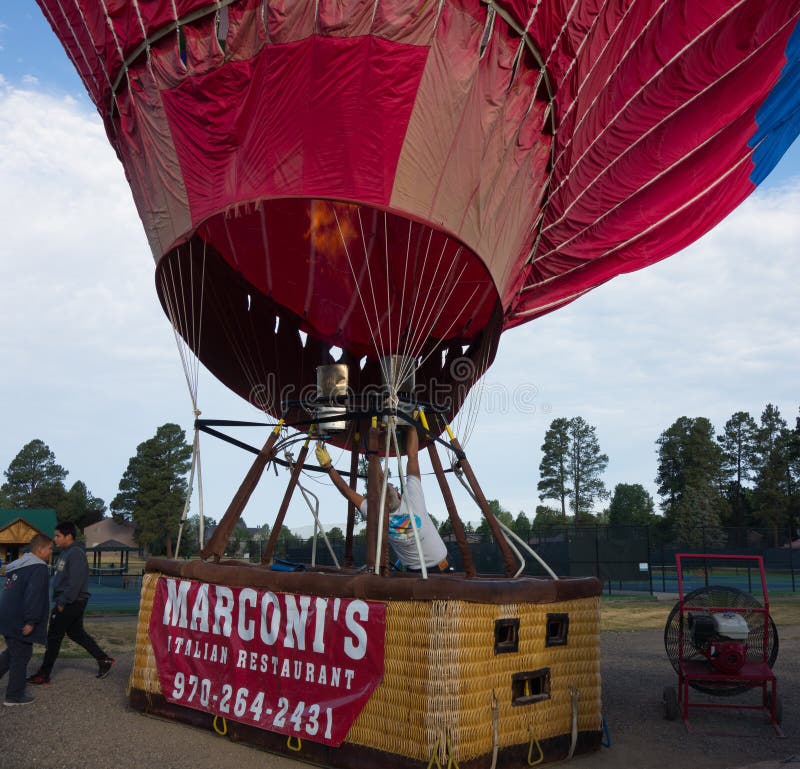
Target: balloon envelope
[413,177]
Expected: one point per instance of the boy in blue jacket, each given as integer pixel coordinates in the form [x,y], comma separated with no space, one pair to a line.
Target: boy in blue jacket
[23,615]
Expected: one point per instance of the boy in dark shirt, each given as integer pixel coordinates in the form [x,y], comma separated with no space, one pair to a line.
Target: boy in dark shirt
[70,595]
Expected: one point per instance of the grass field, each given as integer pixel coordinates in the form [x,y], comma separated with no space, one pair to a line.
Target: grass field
[629,613]
[115,636]
[640,613]
[118,634]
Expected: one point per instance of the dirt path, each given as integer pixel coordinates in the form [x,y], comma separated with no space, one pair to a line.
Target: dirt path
[85,723]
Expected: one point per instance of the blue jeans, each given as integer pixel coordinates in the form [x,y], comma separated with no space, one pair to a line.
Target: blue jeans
[14,661]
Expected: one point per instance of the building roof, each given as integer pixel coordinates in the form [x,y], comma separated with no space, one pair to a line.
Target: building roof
[107,529]
[111,544]
[41,520]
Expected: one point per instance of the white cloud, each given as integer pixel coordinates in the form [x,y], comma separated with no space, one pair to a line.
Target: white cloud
[90,367]
[79,311]
[710,331]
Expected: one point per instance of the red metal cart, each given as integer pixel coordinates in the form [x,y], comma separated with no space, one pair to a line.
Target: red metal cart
[714,663]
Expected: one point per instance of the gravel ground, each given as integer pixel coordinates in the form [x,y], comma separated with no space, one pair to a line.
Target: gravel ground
[635,671]
[82,722]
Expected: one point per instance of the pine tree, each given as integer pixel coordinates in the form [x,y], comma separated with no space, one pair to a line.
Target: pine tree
[553,469]
[34,479]
[547,519]
[153,489]
[571,467]
[696,518]
[502,515]
[794,469]
[770,431]
[631,505]
[190,539]
[522,526]
[738,444]
[81,507]
[670,475]
[688,456]
[774,485]
[586,466]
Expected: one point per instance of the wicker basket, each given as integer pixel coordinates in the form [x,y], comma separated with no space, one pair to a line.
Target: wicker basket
[462,680]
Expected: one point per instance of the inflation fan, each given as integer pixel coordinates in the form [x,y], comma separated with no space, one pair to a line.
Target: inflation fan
[721,641]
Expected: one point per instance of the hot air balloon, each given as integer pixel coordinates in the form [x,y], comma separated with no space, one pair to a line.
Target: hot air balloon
[359,182]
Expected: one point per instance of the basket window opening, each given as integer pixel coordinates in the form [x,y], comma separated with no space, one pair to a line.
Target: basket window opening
[530,686]
[506,635]
[557,630]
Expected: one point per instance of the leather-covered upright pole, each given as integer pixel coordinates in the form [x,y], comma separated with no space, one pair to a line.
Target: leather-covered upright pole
[266,558]
[219,539]
[509,562]
[455,519]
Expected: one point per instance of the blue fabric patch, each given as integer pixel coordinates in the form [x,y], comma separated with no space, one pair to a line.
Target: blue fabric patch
[778,118]
[400,526]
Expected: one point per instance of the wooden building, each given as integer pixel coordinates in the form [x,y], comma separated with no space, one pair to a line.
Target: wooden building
[18,527]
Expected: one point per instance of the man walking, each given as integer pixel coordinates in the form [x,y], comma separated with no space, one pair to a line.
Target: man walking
[23,615]
[70,595]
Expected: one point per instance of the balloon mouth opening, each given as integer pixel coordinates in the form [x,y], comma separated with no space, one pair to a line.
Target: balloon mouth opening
[265,294]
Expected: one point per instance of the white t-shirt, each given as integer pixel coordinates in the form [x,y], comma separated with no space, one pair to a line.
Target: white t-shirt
[401,533]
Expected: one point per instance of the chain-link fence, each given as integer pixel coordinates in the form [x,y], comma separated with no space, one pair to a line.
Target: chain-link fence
[625,558]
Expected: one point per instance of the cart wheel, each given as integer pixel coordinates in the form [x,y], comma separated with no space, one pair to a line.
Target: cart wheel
[670,700]
[778,708]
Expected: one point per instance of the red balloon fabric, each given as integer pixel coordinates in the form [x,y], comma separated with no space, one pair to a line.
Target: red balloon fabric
[413,177]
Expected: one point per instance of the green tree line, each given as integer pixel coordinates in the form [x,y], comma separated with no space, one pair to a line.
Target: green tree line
[34,480]
[747,475]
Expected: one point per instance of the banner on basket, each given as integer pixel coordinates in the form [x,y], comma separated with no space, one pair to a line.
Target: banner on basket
[299,665]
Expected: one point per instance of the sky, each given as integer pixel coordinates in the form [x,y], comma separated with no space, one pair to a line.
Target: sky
[89,365]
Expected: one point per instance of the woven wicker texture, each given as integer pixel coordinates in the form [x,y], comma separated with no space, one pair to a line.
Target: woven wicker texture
[442,672]
[144,675]
[442,676]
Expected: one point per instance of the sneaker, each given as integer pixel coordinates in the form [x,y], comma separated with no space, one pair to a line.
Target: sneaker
[104,666]
[25,699]
[39,679]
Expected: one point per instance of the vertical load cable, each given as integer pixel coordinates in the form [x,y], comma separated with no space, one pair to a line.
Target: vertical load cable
[187,330]
[427,307]
[382,503]
[184,514]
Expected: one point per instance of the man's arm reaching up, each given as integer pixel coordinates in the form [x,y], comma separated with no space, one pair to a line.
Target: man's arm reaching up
[324,460]
[412,449]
